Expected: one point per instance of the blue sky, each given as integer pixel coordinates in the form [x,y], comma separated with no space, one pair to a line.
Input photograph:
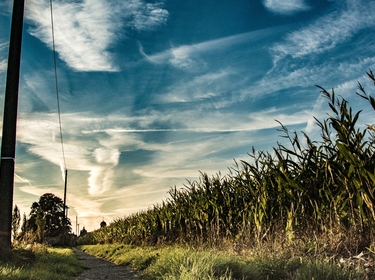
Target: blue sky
[151,92]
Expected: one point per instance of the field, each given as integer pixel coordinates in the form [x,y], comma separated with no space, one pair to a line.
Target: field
[307,199]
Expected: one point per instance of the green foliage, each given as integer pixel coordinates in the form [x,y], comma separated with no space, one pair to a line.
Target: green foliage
[41,224]
[46,218]
[324,270]
[184,263]
[301,191]
[40,262]
[16,219]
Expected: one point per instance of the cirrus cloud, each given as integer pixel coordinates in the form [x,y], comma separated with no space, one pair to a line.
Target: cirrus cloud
[286,6]
[326,32]
[85,31]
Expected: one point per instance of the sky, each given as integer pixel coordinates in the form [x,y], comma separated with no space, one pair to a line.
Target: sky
[153,92]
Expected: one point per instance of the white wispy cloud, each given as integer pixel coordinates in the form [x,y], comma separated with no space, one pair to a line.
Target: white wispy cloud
[82,153]
[3,61]
[286,6]
[18,179]
[148,16]
[181,57]
[183,159]
[38,85]
[85,31]
[326,32]
[37,191]
[3,65]
[189,57]
[204,86]
[88,149]
[307,75]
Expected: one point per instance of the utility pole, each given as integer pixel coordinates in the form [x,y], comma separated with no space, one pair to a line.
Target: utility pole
[65,207]
[8,145]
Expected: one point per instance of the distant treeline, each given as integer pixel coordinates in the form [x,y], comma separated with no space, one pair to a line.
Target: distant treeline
[301,190]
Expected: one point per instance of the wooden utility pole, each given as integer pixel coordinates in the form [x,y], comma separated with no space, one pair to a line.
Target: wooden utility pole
[8,146]
[65,208]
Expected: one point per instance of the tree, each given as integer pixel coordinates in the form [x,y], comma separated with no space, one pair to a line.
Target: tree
[23,227]
[16,218]
[49,211]
[41,224]
[83,232]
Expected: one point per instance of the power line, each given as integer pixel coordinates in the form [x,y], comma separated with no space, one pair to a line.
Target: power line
[56,85]
[59,114]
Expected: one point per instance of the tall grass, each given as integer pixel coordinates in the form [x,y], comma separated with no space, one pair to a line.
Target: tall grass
[183,263]
[318,194]
[41,262]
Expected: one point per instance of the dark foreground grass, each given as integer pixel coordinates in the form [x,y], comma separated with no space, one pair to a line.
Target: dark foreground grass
[41,262]
[183,263]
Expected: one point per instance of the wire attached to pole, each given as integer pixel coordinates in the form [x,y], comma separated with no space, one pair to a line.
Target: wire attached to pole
[56,85]
[60,125]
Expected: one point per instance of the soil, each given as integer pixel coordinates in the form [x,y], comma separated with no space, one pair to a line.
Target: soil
[97,268]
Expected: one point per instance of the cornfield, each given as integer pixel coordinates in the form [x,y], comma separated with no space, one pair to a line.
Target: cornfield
[304,187]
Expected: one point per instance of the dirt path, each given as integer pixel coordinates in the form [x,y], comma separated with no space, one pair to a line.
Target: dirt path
[96,268]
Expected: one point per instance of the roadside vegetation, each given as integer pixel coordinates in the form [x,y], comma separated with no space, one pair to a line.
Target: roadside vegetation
[187,263]
[45,223]
[40,262]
